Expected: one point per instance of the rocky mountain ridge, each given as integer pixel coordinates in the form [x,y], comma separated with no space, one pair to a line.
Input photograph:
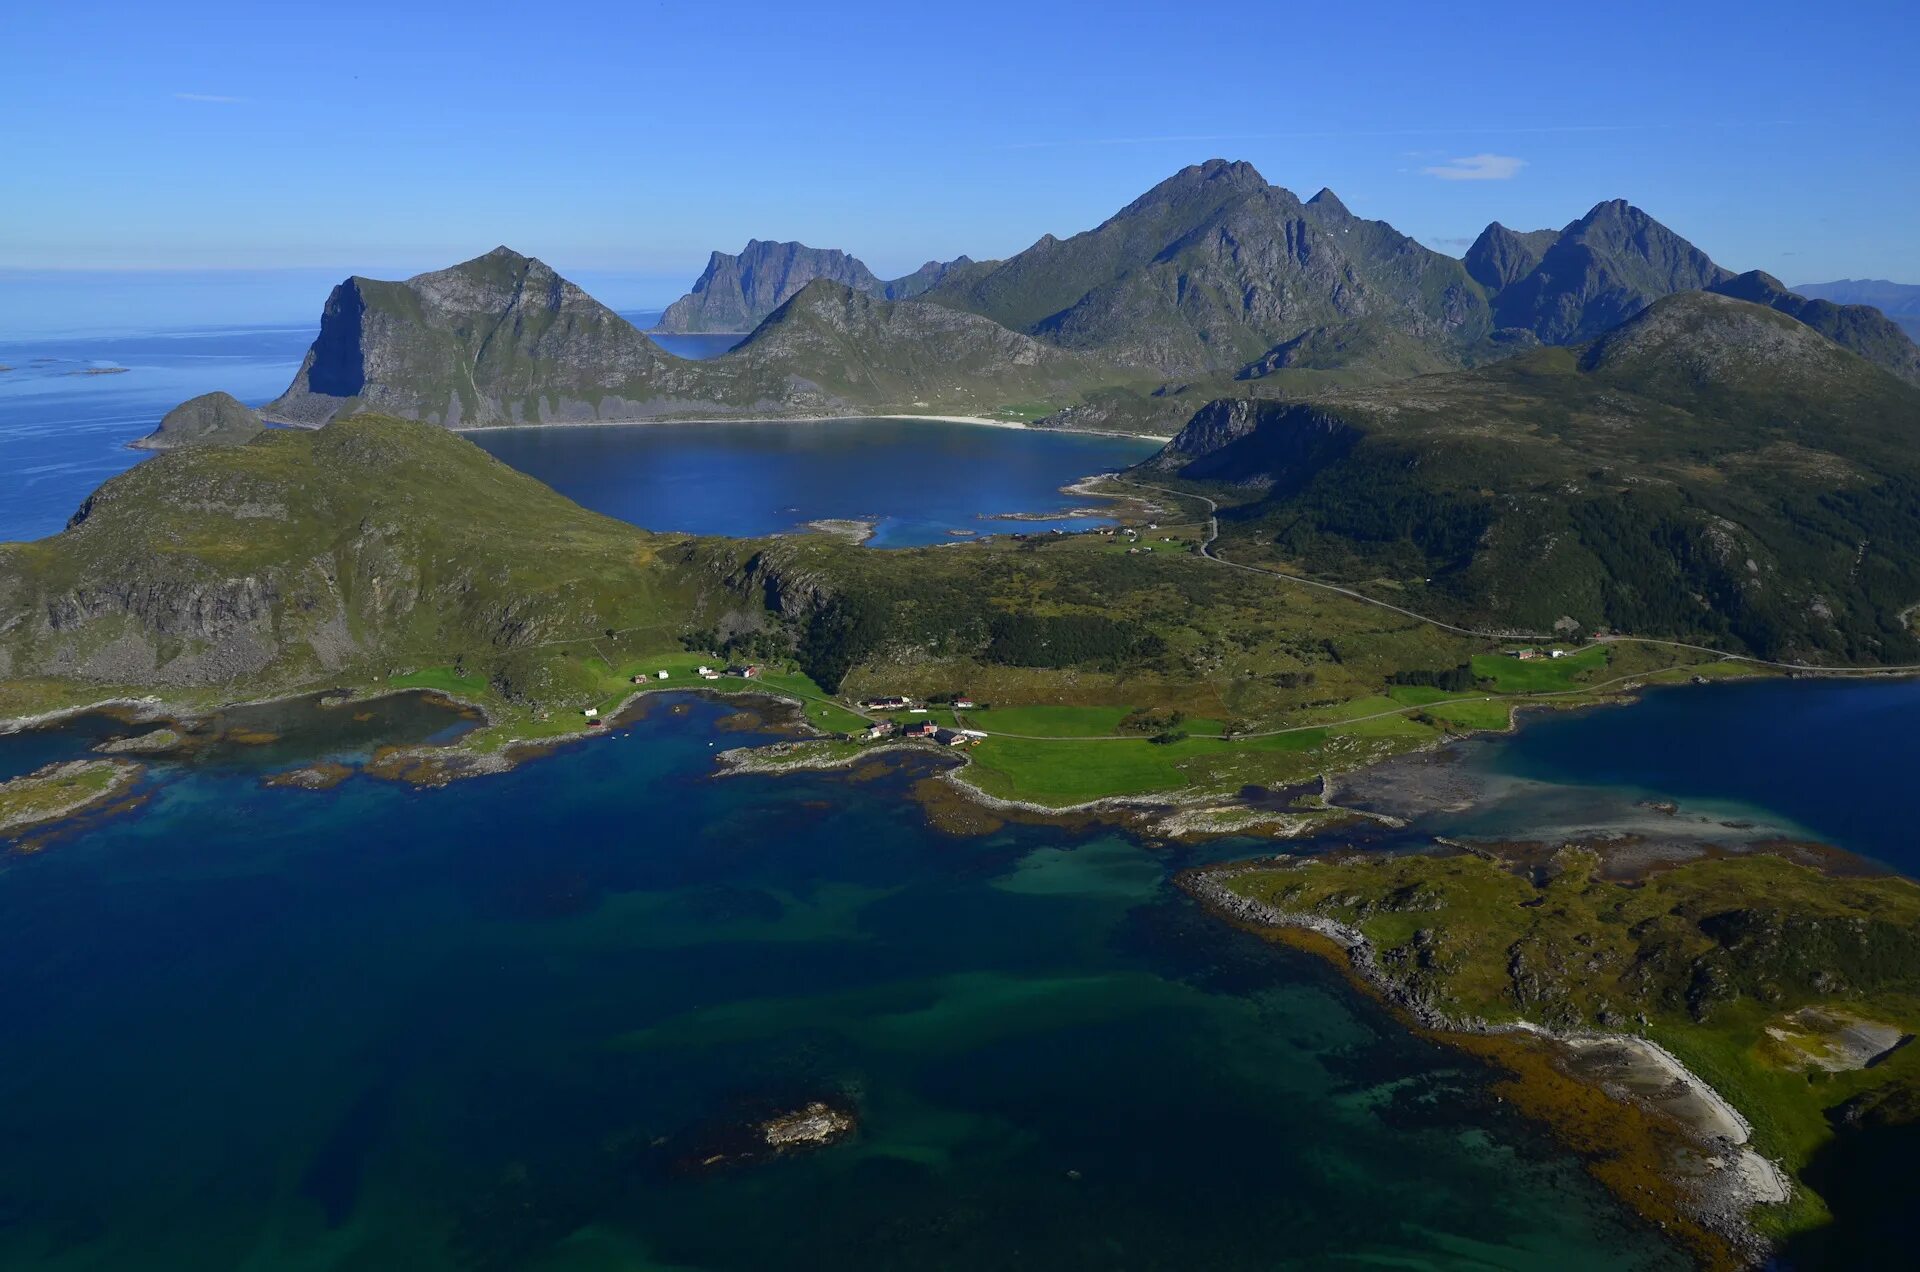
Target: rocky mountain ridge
[737,292]
[503,339]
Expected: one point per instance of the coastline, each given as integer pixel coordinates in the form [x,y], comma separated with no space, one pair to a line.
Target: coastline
[1705,1197]
[984,421]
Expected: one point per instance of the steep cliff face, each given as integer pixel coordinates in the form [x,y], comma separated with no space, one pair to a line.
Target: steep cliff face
[1269,446]
[1501,257]
[212,419]
[504,340]
[736,293]
[501,338]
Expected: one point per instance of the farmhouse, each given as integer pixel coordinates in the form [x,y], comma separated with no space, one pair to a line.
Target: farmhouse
[890,703]
[921,729]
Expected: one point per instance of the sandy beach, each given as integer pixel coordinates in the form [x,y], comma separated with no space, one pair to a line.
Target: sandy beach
[986,421]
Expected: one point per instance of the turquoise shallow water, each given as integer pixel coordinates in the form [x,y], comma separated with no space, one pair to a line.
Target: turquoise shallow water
[485,1026]
[1813,759]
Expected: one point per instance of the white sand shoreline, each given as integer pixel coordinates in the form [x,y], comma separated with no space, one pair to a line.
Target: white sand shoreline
[983,420]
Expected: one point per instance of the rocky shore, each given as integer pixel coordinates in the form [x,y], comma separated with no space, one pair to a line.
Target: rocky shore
[1717,1185]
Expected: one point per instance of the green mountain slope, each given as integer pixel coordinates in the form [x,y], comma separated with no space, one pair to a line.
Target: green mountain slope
[1861,328]
[1711,469]
[347,549]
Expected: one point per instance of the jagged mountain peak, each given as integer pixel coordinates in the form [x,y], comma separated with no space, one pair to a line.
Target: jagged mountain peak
[1327,201]
[1215,177]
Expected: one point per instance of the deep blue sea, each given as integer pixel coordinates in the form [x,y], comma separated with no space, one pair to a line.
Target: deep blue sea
[498,1025]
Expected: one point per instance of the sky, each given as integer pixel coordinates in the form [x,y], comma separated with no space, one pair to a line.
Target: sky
[285,146]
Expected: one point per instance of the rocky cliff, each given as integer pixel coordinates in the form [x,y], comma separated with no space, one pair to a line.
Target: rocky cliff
[1599,271]
[502,339]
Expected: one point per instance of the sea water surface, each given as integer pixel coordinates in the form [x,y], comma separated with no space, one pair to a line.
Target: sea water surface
[498,1025]
[1826,760]
[70,405]
[916,481]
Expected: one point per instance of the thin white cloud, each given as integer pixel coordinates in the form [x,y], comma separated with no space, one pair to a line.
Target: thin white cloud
[1477,168]
[212,98]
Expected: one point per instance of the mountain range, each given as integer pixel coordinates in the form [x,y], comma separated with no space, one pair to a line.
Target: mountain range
[738,293]
[1213,284]
[1217,272]
[503,339]
[1895,300]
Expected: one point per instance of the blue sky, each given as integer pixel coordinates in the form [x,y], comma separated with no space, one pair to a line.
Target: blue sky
[623,141]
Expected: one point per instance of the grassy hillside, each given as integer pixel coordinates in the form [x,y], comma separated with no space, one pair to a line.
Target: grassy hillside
[346,551]
[1711,470]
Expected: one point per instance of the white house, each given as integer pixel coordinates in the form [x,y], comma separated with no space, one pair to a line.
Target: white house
[661,675]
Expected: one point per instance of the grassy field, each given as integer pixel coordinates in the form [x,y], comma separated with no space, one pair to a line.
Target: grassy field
[1540,675]
[1073,771]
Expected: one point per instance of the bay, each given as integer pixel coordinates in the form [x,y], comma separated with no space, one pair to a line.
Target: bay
[917,481]
[70,405]
[1814,759]
[488,1026]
